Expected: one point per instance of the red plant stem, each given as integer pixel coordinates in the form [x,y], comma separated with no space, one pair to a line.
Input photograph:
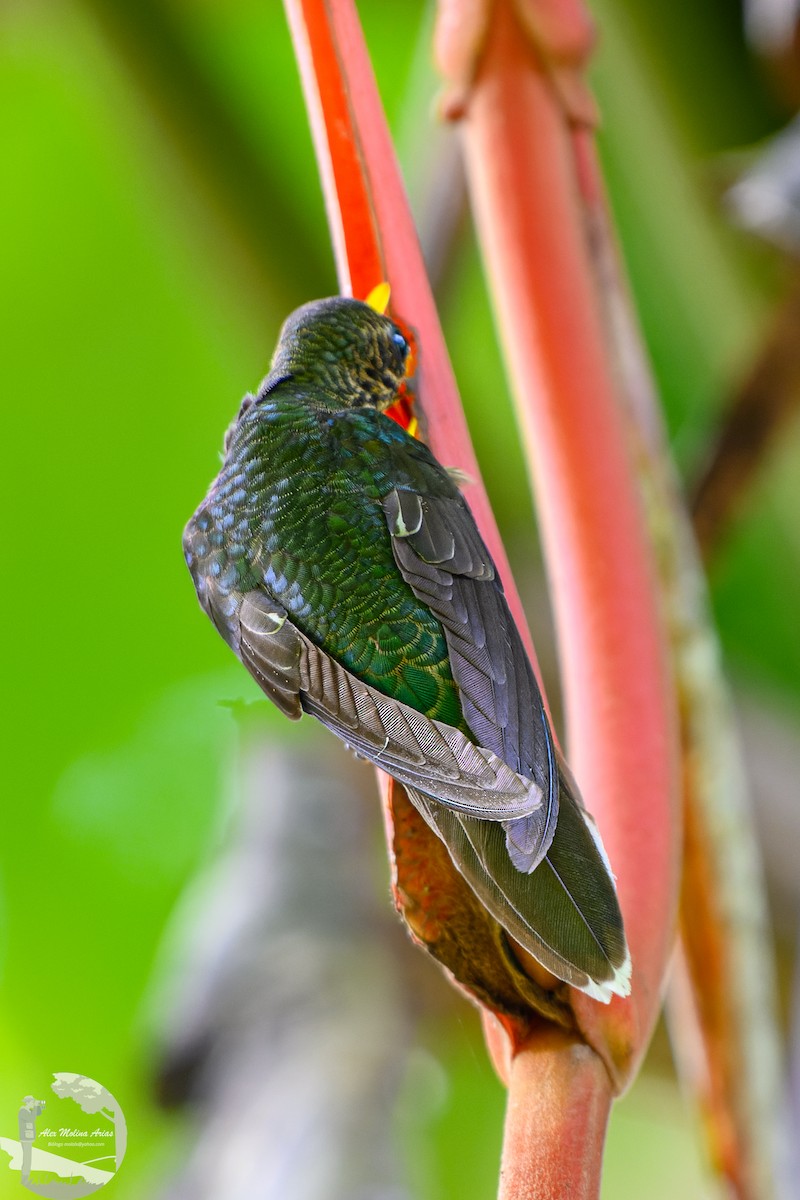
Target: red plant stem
[373,231]
[358,248]
[526,197]
[559,1098]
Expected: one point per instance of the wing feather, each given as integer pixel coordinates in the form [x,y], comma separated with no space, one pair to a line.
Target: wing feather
[441,555]
[567,914]
[429,756]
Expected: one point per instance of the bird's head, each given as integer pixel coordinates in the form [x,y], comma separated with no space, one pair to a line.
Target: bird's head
[346,349]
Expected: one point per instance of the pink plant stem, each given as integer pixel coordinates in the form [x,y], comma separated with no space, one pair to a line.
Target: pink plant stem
[620,707]
[558,1106]
[721,1005]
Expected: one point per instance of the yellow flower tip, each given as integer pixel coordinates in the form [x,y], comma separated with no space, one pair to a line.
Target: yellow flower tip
[379,298]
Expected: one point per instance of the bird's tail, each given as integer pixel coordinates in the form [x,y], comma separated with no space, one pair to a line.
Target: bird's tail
[565,913]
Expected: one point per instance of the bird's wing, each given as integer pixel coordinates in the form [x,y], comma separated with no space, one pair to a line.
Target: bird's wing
[442,557]
[428,756]
[566,913]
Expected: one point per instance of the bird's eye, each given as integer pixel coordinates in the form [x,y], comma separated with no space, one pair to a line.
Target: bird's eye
[399,340]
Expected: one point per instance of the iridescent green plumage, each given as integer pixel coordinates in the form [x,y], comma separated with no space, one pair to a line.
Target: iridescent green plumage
[287,490]
[341,563]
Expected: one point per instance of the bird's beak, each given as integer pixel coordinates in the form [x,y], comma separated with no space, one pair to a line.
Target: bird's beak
[379,298]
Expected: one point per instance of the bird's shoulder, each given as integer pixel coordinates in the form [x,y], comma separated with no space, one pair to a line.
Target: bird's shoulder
[396,457]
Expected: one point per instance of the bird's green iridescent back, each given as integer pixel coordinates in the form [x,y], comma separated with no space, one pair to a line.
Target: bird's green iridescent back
[297,510]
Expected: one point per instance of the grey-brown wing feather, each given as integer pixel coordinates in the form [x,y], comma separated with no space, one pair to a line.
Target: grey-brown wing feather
[567,914]
[442,557]
[428,756]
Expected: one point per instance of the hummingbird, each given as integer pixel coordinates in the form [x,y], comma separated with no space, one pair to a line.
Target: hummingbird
[341,563]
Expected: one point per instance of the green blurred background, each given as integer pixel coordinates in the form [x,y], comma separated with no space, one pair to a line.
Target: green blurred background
[161,214]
